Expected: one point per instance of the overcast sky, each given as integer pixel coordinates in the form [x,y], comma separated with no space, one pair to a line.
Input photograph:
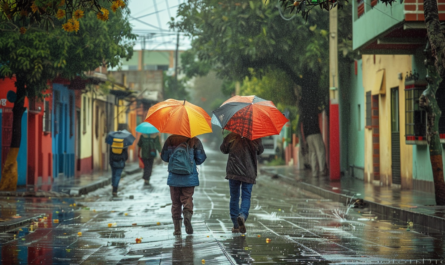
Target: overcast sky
[150,18]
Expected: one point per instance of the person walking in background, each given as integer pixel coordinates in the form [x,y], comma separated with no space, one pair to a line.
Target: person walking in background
[241,171]
[182,154]
[118,156]
[312,136]
[149,145]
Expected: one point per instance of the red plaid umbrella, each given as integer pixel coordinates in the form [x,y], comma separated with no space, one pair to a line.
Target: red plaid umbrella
[249,116]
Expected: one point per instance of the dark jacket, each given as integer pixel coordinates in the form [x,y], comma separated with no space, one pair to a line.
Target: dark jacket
[197,155]
[242,163]
[118,160]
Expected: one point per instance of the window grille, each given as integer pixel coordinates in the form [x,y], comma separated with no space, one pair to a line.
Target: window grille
[46,117]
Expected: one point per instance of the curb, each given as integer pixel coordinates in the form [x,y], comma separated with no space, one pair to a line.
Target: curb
[102,183]
[387,211]
[19,222]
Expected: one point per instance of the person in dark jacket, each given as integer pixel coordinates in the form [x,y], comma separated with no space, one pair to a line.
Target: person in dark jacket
[241,172]
[182,187]
[117,164]
[148,146]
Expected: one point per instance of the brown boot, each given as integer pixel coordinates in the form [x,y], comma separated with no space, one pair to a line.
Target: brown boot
[235,230]
[177,223]
[188,222]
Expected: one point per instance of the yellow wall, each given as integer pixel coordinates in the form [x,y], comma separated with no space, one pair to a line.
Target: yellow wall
[393,65]
[85,126]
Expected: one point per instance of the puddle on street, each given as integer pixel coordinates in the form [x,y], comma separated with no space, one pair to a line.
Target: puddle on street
[286,225]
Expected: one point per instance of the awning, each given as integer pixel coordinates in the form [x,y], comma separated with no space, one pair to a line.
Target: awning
[379,86]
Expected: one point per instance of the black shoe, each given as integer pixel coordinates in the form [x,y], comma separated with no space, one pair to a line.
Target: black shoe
[242,227]
[188,222]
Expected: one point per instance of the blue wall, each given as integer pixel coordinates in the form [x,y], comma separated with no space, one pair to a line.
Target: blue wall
[22,158]
[63,140]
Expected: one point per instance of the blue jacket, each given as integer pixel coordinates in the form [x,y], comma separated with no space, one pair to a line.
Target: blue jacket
[197,155]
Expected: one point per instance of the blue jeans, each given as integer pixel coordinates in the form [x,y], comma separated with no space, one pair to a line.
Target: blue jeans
[235,209]
[116,176]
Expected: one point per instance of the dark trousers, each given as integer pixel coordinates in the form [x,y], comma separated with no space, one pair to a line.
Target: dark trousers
[116,176]
[148,167]
[182,199]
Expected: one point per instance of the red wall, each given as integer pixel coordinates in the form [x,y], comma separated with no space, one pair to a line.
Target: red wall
[39,149]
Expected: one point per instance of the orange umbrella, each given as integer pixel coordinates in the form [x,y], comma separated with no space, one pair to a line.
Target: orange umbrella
[179,117]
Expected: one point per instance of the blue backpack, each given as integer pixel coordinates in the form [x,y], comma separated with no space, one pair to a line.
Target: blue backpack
[180,162]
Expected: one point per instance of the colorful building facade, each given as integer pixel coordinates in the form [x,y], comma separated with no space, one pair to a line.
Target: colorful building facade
[63,135]
[380,108]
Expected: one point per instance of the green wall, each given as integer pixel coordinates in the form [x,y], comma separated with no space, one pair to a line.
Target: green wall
[375,21]
[352,122]
[421,158]
[156,58]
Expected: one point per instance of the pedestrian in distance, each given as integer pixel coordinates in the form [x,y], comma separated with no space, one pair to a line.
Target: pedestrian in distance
[118,156]
[241,171]
[149,145]
[182,154]
[311,135]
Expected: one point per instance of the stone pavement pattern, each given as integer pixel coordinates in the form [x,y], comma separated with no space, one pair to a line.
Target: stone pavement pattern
[302,227]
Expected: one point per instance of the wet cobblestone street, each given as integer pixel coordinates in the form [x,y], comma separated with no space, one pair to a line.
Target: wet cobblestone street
[301,227]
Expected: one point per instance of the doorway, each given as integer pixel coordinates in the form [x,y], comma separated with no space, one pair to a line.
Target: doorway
[375,137]
[395,137]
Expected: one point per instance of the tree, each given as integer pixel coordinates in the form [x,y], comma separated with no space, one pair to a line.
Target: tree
[250,38]
[19,15]
[35,57]
[175,88]
[435,57]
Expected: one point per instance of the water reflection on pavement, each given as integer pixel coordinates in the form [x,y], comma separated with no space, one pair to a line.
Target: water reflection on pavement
[286,225]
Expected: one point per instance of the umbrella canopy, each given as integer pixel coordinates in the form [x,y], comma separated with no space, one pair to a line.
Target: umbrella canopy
[179,117]
[249,116]
[146,128]
[125,135]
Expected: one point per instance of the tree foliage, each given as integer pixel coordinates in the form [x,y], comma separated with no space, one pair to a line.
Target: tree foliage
[243,38]
[19,15]
[38,56]
[175,88]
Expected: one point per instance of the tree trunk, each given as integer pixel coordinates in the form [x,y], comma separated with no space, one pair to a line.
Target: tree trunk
[9,174]
[436,71]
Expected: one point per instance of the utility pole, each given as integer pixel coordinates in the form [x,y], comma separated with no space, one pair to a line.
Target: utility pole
[176,58]
[334,114]
[141,74]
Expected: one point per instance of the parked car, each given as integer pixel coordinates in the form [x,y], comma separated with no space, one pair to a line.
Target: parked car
[270,144]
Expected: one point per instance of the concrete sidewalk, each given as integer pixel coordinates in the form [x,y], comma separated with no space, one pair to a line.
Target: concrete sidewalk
[407,205]
[65,187]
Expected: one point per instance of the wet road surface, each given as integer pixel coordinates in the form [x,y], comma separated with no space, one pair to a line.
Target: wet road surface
[302,228]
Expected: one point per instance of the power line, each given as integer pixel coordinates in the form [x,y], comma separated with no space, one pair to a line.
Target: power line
[157,15]
[146,15]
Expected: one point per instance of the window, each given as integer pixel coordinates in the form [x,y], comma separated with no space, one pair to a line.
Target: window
[415,118]
[360,8]
[46,117]
[97,122]
[88,116]
[84,118]
[368,110]
[71,113]
[359,113]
